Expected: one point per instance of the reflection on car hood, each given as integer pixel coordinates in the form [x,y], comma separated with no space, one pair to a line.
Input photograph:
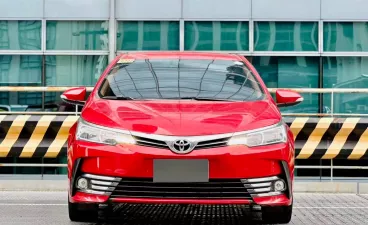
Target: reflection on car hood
[181,118]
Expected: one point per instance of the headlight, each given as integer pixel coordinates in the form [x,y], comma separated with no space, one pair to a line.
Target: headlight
[94,133]
[265,136]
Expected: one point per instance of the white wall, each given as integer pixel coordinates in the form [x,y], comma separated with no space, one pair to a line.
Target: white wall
[187,9]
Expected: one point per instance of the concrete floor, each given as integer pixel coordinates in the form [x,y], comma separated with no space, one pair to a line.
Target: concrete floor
[41,208]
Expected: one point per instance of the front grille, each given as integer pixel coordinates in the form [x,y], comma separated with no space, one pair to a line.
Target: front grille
[154,143]
[214,189]
[212,143]
[151,142]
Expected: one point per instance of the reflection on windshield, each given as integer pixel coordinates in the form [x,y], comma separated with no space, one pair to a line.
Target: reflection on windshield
[182,79]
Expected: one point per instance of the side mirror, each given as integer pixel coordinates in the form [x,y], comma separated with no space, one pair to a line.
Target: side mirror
[75,96]
[287,98]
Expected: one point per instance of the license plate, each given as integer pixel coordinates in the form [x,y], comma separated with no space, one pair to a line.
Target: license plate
[173,170]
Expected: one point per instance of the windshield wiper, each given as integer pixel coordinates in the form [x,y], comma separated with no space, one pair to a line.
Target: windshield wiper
[182,98]
[117,98]
[207,99]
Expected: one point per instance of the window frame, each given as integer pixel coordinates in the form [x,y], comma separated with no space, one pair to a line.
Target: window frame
[289,53]
[250,34]
[71,52]
[43,52]
[24,52]
[341,53]
[118,52]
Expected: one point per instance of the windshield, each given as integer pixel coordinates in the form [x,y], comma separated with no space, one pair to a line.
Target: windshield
[147,79]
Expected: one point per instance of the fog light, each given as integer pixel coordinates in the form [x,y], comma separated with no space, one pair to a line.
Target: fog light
[279,185]
[82,183]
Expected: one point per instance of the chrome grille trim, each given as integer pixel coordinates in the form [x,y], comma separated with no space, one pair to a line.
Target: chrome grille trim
[165,144]
[165,141]
[151,143]
[104,178]
[104,183]
[263,179]
[259,190]
[89,191]
[99,185]
[102,188]
[274,193]
[257,185]
[210,146]
[211,143]
[167,138]
[261,187]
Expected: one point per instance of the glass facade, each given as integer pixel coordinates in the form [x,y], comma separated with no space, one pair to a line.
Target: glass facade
[74,70]
[287,54]
[20,70]
[291,72]
[346,72]
[148,35]
[20,35]
[55,64]
[77,35]
[345,36]
[286,36]
[216,36]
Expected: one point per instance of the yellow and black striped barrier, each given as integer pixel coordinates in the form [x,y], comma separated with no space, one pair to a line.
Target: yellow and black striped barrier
[329,138]
[27,136]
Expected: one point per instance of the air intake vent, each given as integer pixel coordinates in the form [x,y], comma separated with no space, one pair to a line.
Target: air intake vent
[214,189]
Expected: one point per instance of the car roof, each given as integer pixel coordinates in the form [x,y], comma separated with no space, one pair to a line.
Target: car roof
[181,55]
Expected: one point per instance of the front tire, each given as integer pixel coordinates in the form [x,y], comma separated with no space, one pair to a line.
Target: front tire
[277,214]
[82,212]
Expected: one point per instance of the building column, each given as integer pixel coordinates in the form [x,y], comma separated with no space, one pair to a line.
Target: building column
[112,31]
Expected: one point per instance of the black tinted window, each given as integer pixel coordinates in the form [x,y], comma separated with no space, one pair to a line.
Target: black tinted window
[182,78]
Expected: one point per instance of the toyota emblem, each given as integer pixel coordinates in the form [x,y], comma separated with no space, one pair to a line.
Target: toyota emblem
[182,146]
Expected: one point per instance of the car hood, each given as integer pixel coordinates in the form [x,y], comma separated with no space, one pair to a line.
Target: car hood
[181,117]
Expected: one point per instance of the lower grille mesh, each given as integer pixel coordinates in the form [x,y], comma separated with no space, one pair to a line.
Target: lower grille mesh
[214,189]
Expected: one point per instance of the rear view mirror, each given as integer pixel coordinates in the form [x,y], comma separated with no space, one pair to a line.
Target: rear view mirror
[75,96]
[287,98]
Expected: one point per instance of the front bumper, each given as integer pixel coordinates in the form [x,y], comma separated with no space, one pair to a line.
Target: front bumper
[259,191]
[237,175]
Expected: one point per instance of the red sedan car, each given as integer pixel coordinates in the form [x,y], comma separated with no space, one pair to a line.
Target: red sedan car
[180,128]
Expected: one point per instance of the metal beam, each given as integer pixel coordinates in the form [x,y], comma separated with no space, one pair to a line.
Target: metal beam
[112,31]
